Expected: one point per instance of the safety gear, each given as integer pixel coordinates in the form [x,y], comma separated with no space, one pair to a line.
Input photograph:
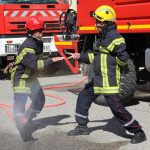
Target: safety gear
[28,61]
[24,128]
[138,137]
[34,23]
[105,63]
[79,130]
[9,67]
[105,13]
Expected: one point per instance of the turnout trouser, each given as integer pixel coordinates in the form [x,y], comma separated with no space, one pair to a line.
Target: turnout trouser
[87,96]
[37,100]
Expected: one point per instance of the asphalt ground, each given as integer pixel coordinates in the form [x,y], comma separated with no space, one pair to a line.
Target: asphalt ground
[105,132]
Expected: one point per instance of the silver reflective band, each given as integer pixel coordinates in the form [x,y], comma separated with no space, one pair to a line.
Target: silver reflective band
[127,124]
[19,114]
[79,115]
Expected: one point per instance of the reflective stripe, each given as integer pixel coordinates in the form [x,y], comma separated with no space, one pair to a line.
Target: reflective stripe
[26,13]
[52,13]
[107,90]
[82,116]
[20,57]
[104,50]
[43,13]
[91,57]
[35,111]
[40,64]
[115,42]
[22,90]
[121,63]
[26,74]
[118,74]
[19,114]
[130,122]
[22,83]
[34,13]
[14,14]
[104,70]
[23,53]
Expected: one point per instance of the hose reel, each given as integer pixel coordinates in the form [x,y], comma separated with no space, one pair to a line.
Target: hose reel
[67,23]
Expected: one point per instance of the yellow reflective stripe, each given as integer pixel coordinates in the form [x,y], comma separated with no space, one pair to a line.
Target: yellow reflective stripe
[40,64]
[104,70]
[13,72]
[22,83]
[63,43]
[107,90]
[22,90]
[19,58]
[118,74]
[26,74]
[121,63]
[91,57]
[23,53]
[104,50]
[87,28]
[115,42]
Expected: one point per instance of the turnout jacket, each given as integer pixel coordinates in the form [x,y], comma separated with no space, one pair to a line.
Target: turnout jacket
[28,61]
[107,61]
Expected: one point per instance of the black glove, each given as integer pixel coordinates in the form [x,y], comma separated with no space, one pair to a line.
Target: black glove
[125,69]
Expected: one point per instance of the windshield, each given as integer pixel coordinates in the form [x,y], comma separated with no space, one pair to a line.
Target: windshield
[34,1]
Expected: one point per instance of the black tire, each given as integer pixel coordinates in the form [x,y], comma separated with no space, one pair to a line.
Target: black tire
[127,85]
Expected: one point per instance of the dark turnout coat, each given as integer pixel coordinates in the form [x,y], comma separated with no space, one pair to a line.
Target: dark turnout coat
[28,61]
[107,61]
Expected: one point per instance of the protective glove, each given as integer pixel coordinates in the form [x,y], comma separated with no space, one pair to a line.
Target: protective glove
[125,69]
[9,67]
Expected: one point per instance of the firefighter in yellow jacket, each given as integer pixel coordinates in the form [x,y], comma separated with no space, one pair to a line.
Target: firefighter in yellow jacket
[107,61]
[24,77]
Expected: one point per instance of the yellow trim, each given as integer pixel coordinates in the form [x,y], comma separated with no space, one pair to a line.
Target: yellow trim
[104,70]
[63,43]
[146,26]
[88,28]
[138,26]
[91,57]
[107,90]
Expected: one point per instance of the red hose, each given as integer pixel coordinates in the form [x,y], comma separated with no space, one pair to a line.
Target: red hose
[6,107]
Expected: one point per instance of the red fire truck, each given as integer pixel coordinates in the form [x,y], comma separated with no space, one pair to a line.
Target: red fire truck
[13,16]
[133,22]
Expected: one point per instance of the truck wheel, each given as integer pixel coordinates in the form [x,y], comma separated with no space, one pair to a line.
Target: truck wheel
[127,85]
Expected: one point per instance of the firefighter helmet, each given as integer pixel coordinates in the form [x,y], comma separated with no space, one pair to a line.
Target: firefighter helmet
[34,23]
[105,13]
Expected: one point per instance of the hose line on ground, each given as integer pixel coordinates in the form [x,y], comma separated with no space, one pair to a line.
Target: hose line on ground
[6,107]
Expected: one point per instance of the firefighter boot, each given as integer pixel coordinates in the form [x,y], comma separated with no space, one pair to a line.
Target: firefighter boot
[24,128]
[33,125]
[138,137]
[79,130]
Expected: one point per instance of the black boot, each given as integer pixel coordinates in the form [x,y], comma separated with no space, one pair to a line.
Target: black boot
[138,137]
[24,128]
[33,124]
[79,130]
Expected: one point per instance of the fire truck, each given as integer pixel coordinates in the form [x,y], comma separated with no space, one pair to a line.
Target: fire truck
[13,16]
[133,22]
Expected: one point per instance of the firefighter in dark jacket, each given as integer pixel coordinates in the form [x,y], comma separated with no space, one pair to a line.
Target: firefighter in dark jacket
[24,77]
[106,81]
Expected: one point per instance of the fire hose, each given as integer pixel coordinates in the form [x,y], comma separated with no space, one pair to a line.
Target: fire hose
[6,107]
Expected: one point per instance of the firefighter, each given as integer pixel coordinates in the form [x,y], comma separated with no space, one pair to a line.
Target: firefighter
[107,61]
[24,77]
